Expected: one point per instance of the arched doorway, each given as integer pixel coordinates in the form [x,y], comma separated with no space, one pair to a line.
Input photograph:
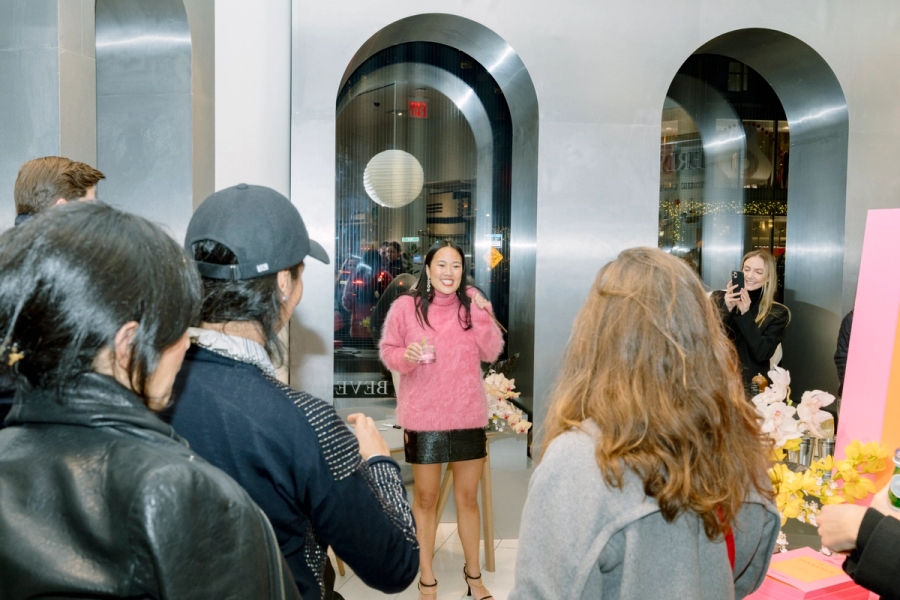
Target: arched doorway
[456,97]
[813,159]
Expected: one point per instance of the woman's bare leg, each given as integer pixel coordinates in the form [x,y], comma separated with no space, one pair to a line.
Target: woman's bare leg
[466,475]
[427,486]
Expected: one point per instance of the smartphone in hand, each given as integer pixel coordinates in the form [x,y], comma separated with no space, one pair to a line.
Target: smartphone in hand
[737,280]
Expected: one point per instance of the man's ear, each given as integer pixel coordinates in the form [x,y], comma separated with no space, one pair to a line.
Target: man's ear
[60,201]
[124,345]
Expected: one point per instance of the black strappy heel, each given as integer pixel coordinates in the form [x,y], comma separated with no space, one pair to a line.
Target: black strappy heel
[428,585]
[469,585]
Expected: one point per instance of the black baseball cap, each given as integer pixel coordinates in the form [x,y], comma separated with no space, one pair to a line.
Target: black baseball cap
[260,226]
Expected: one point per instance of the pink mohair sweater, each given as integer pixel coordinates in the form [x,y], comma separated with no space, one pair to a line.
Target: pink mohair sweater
[447,394]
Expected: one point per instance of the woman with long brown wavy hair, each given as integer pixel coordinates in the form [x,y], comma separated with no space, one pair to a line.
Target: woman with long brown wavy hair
[653,482]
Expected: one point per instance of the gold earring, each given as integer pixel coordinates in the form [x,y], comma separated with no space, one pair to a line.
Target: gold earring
[14,355]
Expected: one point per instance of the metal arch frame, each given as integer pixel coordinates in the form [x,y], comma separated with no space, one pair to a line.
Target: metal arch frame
[508,70]
[818,116]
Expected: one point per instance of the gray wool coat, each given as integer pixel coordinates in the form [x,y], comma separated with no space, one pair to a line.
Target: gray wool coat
[583,539]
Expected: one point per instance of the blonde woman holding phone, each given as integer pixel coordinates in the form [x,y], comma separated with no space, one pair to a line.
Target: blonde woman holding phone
[753,320]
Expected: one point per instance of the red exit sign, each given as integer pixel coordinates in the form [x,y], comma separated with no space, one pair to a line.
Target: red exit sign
[418,110]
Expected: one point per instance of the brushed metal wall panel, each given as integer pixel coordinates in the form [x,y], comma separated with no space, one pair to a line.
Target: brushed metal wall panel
[29,91]
[601,71]
[28,24]
[201,18]
[817,112]
[144,103]
[145,152]
[145,46]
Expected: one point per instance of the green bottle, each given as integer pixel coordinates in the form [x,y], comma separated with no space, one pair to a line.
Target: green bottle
[894,487]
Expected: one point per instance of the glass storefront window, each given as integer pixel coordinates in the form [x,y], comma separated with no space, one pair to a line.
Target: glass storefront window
[423,148]
[724,158]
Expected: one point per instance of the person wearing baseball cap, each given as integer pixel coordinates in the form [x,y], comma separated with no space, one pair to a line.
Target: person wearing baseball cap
[319,484]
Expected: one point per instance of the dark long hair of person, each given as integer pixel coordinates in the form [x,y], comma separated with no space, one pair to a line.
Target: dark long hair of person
[424,298]
[256,300]
[649,362]
[73,276]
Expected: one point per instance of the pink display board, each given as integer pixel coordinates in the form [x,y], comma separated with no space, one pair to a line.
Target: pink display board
[870,409]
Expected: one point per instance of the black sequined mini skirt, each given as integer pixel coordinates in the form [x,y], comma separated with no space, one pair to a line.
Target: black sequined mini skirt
[429,447]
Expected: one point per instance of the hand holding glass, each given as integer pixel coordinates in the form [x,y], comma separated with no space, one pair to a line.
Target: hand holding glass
[421,353]
[427,355]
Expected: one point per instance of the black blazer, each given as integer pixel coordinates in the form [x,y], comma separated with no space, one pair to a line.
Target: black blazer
[755,344]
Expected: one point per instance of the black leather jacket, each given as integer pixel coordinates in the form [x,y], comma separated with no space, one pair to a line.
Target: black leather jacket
[99,498]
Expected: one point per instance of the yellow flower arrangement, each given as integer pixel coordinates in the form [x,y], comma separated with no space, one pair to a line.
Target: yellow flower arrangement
[827,480]
[820,480]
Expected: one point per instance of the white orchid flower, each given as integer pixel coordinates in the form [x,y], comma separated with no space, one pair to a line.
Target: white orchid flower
[810,415]
[779,422]
[781,380]
[766,398]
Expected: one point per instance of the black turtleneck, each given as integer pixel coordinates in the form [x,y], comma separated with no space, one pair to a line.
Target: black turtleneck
[755,296]
[755,343]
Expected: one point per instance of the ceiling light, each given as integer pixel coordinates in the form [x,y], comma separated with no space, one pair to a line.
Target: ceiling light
[393,178]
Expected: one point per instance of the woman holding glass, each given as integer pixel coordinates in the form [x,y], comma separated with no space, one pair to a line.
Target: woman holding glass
[436,337]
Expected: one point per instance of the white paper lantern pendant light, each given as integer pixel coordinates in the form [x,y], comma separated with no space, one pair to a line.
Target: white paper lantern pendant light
[393,178]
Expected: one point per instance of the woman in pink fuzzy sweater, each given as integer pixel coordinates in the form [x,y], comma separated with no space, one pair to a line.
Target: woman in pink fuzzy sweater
[437,337]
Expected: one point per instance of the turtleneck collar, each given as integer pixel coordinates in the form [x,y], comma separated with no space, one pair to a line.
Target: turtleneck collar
[755,295]
[444,299]
[233,347]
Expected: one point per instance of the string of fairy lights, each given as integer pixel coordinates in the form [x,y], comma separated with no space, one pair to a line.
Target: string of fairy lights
[678,220]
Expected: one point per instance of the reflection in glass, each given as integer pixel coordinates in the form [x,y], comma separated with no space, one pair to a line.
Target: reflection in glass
[724,158]
[423,148]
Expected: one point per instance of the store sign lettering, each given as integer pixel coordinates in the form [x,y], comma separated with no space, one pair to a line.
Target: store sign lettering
[682,160]
[366,388]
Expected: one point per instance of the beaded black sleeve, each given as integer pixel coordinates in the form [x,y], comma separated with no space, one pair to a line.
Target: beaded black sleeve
[384,477]
[339,446]
[341,452]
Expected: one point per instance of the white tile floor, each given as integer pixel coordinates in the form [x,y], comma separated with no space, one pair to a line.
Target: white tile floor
[448,565]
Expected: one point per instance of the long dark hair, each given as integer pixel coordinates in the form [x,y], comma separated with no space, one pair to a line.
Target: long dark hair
[424,297]
[256,300]
[73,276]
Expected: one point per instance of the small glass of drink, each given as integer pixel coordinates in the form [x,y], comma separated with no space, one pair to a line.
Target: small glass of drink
[427,356]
